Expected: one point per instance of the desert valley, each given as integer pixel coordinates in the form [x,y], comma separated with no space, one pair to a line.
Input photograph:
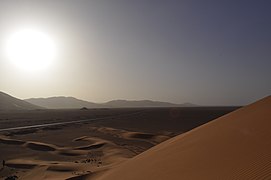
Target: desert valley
[135,90]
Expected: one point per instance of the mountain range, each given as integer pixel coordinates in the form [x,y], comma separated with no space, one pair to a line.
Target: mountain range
[73,103]
[8,102]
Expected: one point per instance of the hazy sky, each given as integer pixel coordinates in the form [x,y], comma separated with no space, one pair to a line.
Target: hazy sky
[206,52]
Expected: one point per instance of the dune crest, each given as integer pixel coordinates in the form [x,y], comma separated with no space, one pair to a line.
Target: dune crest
[234,146]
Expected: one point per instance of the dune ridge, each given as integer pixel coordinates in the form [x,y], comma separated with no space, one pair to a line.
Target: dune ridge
[234,146]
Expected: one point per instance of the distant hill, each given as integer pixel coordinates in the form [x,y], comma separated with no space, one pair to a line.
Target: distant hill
[73,103]
[63,103]
[144,103]
[8,102]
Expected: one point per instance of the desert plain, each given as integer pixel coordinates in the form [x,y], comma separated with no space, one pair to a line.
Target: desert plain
[89,143]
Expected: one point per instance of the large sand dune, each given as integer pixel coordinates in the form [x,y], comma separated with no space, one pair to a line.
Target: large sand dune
[235,146]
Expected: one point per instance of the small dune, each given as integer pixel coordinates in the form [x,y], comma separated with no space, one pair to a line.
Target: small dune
[92,140]
[145,136]
[40,146]
[92,146]
[120,133]
[71,152]
[4,140]
[138,135]
[110,131]
[81,138]
[21,164]
[61,168]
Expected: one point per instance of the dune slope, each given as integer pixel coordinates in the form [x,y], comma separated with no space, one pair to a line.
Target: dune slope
[234,146]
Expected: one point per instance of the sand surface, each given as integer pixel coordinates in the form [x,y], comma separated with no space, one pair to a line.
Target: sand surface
[88,150]
[235,146]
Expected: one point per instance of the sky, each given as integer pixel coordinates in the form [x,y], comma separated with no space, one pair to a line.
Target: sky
[204,52]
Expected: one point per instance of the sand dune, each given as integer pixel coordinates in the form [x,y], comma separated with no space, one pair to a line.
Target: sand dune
[235,146]
[92,146]
[120,133]
[40,146]
[22,164]
[5,140]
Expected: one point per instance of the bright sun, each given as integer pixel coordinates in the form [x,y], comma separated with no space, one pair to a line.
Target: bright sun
[30,49]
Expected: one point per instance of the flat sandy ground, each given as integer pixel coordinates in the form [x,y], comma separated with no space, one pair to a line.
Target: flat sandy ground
[88,150]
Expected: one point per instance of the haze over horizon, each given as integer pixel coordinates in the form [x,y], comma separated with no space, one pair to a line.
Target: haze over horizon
[205,53]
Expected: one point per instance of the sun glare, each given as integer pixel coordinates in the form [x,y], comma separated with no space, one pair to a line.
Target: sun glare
[30,49]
